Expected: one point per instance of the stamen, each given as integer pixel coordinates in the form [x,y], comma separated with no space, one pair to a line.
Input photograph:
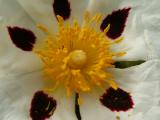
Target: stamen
[77,56]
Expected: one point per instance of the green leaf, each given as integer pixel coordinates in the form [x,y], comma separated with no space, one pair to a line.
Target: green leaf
[126,64]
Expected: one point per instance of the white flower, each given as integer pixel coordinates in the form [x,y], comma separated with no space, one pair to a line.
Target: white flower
[21,72]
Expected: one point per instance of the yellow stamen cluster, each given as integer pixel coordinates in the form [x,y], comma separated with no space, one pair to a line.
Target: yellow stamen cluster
[77,57]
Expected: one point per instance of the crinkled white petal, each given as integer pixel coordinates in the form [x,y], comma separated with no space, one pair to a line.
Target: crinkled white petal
[142,72]
[92,109]
[12,59]
[65,106]
[144,15]
[143,83]
[78,7]
[103,6]
[16,93]
[135,48]
[42,11]
[150,20]
[153,42]
[152,114]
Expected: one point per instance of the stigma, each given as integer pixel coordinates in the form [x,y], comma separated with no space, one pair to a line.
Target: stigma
[77,59]
[78,55]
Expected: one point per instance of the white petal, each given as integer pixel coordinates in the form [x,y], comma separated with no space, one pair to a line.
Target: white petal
[42,11]
[142,81]
[78,7]
[146,94]
[141,72]
[153,113]
[16,93]
[141,11]
[134,51]
[153,43]
[92,109]
[65,106]
[13,59]
[143,17]
[135,47]
[103,6]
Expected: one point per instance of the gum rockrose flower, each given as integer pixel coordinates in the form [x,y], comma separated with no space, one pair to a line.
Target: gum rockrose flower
[78,60]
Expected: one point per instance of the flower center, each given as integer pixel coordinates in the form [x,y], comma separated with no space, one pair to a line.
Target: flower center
[77,59]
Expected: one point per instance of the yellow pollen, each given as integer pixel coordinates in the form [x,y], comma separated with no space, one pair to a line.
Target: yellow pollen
[78,55]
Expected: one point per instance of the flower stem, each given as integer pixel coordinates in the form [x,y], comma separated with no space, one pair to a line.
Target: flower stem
[77,108]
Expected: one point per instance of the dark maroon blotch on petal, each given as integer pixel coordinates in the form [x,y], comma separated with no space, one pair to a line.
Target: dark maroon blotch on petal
[62,8]
[42,106]
[117,100]
[22,38]
[117,20]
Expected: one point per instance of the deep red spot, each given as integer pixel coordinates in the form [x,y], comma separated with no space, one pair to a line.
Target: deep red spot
[62,8]
[117,20]
[22,38]
[42,106]
[117,100]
